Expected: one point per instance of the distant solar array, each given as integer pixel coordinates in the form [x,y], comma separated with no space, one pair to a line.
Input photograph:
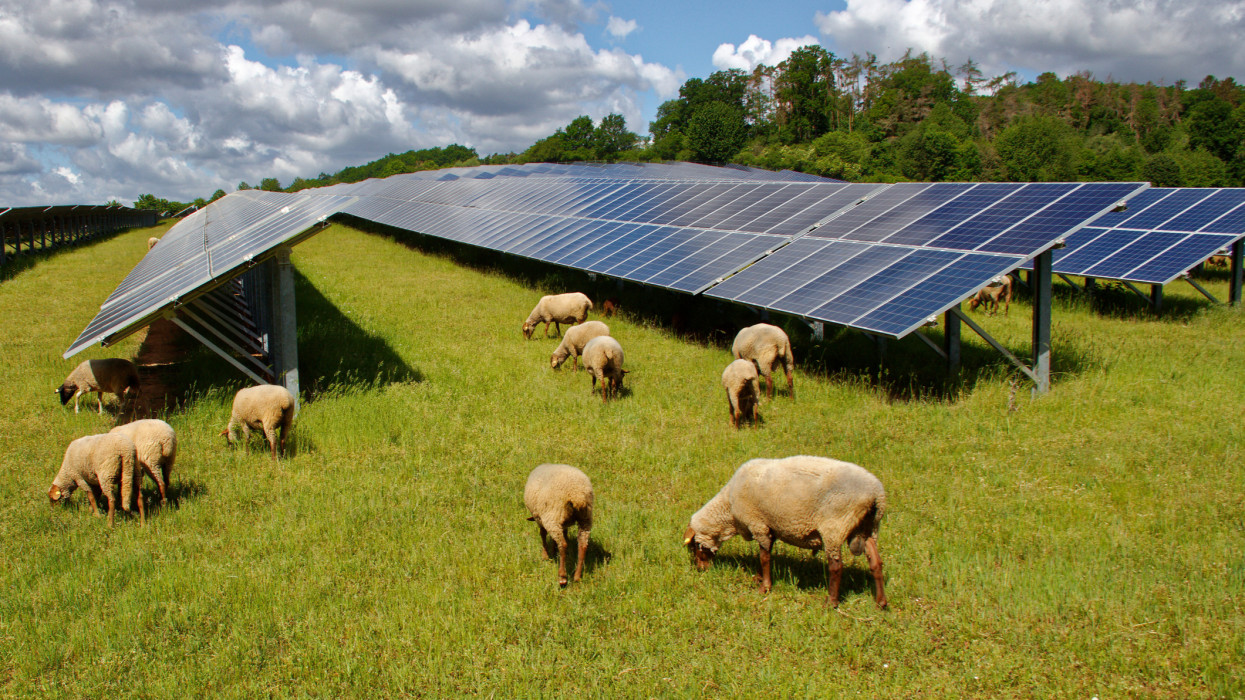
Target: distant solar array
[1164,232]
[878,257]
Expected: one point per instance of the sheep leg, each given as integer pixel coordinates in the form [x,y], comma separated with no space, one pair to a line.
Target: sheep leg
[544,543]
[271,435]
[559,537]
[734,420]
[875,566]
[764,576]
[90,497]
[112,507]
[158,476]
[99,399]
[138,494]
[557,327]
[834,563]
[769,385]
[583,550]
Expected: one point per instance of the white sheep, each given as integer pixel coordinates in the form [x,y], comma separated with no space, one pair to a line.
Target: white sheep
[808,502]
[767,346]
[573,342]
[155,444]
[113,375]
[557,495]
[743,391]
[557,309]
[98,461]
[266,407]
[151,242]
[603,358]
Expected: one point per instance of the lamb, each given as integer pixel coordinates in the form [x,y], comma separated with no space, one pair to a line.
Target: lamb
[557,309]
[557,495]
[603,358]
[155,444]
[743,391]
[113,375]
[988,296]
[610,307]
[767,346]
[151,242]
[265,407]
[574,341]
[98,461]
[808,502]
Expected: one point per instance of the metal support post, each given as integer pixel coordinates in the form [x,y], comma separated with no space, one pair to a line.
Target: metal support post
[1090,283]
[1234,286]
[284,352]
[951,339]
[1156,297]
[1040,279]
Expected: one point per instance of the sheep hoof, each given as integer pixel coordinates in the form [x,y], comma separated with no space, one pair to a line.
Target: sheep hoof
[562,582]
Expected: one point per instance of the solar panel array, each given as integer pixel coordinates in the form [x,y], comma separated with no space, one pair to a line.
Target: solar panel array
[878,257]
[1164,232]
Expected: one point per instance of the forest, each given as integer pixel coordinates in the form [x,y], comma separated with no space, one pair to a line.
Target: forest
[916,118]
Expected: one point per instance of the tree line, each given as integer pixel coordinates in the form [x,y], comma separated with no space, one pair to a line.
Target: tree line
[915,118]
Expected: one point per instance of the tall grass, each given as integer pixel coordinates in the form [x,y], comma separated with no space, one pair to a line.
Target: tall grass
[1087,543]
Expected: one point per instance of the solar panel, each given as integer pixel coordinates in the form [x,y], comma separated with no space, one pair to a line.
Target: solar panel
[1163,233]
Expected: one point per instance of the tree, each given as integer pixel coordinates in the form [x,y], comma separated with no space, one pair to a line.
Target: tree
[578,134]
[217,195]
[270,184]
[1213,126]
[716,132]
[1162,171]
[611,136]
[243,186]
[803,92]
[1037,149]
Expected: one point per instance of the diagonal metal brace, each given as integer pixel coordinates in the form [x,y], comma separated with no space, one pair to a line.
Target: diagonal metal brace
[997,346]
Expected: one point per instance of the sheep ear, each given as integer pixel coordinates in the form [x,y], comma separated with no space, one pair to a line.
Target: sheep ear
[688,535]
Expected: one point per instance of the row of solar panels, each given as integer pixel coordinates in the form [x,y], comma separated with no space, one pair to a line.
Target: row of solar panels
[882,258]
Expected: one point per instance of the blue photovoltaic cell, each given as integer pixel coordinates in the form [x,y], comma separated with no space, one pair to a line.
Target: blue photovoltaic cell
[752,247]
[1206,211]
[841,278]
[1180,257]
[796,272]
[956,212]
[1172,206]
[1232,222]
[1135,254]
[649,236]
[873,207]
[1136,205]
[1054,221]
[1001,216]
[884,227]
[605,238]
[935,294]
[625,268]
[675,255]
[1074,241]
[716,245]
[772,197]
[784,262]
[1101,247]
[624,236]
[881,287]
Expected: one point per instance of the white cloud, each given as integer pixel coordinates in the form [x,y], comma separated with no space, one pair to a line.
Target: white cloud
[619,28]
[756,51]
[1156,40]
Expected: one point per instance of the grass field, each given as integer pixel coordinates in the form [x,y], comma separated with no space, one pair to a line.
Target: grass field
[1086,543]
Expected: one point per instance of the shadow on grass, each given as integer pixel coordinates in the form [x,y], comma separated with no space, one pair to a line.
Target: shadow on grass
[16,265]
[807,573]
[335,355]
[905,370]
[597,555]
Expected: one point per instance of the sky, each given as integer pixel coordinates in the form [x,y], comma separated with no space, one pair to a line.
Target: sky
[110,99]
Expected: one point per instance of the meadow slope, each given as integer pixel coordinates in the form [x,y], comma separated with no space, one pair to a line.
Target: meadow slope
[1087,543]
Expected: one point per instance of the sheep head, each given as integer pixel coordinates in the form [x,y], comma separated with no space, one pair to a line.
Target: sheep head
[703,555]
[55,494]
[528,329]
[66,391]
[557,358]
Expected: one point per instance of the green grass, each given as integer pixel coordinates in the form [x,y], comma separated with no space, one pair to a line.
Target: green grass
[1087,543]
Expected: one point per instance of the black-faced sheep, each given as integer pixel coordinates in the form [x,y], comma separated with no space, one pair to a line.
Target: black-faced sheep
[98,461]
[155,445]
[999,289]
[808,502]
[113,375]
[266,407]
[603,358]
[573,342]
[743,391]
[767,346]
[557,495]
[557,309]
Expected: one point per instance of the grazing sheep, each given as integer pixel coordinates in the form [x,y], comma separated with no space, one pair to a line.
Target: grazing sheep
[603,358]
[557,495]
[574,341]
[743,392]
[155,445]
[1219,261]
[113,375]
[151,242]
[808,502]
[988,296]
[98,461]
[610,307]
[767,346]
[557,309]
[265,407]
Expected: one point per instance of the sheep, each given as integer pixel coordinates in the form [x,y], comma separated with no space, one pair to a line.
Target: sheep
[610,307]
[155,444]
[557,309]
[766,346]
[556,495]
[151,242]
[574,341]
[808,502]
[742,390]
[603,358]
[988,296]
[113,375]
[265,407]
[98,461]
